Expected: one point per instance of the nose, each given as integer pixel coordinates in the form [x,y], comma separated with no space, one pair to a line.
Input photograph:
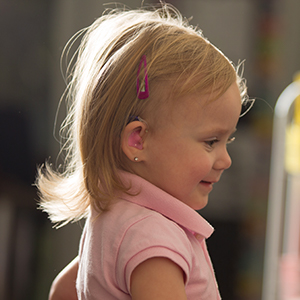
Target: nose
[223,160]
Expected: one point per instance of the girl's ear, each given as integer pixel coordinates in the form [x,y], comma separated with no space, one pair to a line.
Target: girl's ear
[133,140]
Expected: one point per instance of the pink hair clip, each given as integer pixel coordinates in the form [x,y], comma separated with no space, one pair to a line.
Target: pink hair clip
[143,89]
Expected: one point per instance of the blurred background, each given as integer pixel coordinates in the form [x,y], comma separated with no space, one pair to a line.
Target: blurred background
[264,33]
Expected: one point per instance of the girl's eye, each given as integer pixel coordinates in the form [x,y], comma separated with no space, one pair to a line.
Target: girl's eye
[211,143]
[230,140]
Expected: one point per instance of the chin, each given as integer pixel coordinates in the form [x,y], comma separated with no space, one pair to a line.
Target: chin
[201,205]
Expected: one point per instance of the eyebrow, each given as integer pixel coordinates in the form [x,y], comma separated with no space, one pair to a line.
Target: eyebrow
[222,131]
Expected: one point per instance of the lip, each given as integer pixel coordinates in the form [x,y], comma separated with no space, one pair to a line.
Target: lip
[207,184]
[209,181]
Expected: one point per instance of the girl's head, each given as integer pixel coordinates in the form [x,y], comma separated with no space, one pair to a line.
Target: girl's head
[103,90]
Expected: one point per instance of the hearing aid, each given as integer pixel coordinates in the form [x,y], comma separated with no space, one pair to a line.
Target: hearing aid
[135,139]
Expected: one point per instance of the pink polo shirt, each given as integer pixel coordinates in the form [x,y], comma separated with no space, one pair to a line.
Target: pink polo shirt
[136,228]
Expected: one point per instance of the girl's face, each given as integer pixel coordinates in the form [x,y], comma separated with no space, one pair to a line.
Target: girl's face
[187,154]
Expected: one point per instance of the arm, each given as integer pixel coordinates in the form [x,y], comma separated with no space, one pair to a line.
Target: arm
[157,278]
[64,285]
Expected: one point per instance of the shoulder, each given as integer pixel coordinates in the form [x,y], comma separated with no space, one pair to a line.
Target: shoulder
[154,235]
[134,221]
[128,217]
[129,228]
[127,223]
[129,234]
[148,235]
[154,227]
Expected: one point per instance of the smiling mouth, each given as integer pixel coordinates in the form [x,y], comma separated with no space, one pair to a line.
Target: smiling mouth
[205,182]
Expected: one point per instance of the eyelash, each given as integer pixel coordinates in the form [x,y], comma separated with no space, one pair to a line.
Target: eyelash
[211,143]
[230,140]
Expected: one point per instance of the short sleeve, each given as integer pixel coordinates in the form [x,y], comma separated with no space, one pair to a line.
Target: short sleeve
[152,236]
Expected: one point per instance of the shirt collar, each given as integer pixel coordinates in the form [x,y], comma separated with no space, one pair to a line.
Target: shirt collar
[148,195]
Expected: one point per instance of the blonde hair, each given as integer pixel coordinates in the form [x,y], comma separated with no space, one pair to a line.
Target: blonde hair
[102,95]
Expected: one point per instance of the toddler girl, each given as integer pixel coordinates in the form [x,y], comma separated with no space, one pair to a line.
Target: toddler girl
[153,106]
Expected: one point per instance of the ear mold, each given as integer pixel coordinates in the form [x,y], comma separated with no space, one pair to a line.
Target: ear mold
[135,140]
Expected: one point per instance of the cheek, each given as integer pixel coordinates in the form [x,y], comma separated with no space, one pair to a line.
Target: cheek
[166,151]
[201,166]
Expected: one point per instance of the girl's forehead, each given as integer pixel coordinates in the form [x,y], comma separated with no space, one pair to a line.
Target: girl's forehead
[187,106]
[198,108]
[172,112]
